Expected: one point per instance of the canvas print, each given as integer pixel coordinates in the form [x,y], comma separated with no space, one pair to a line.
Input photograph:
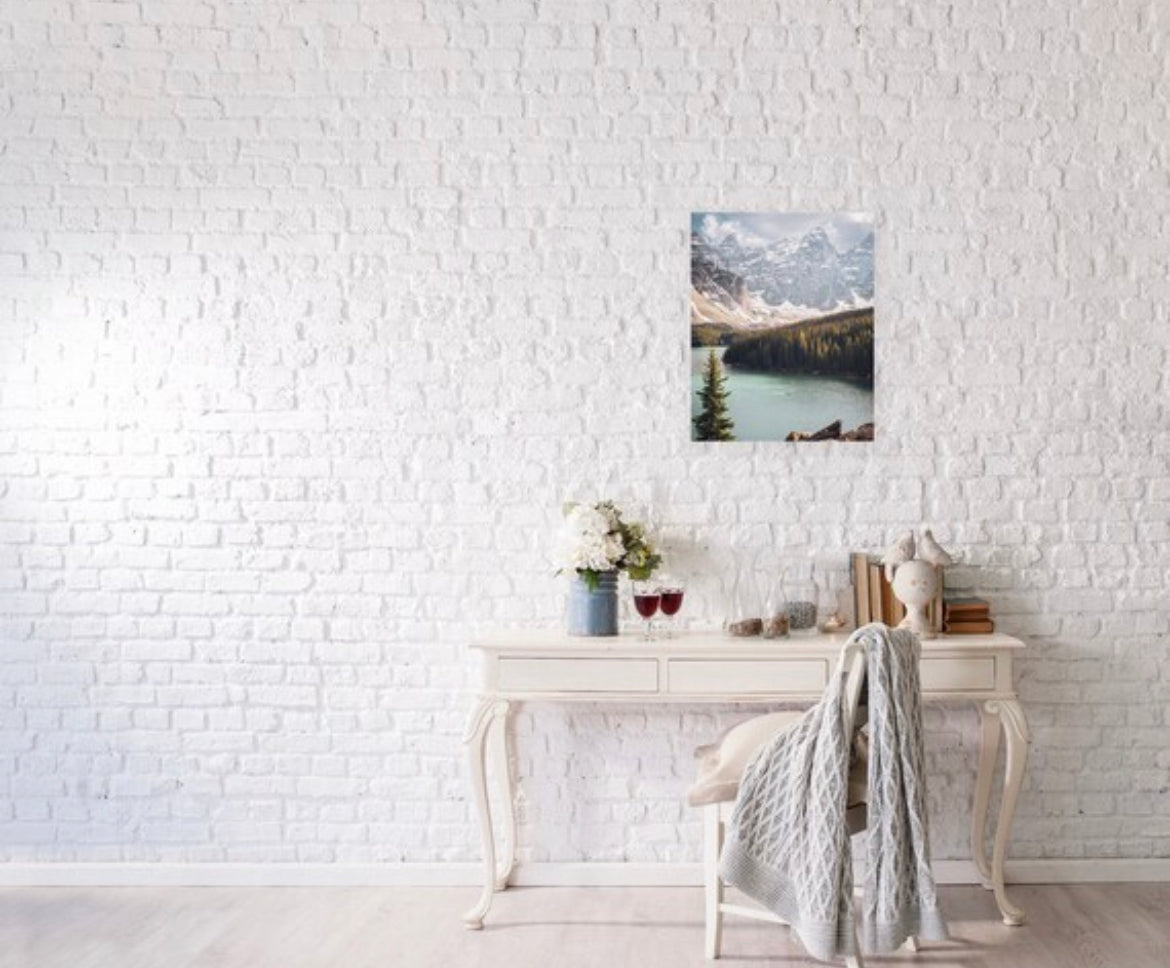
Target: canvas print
[782,326]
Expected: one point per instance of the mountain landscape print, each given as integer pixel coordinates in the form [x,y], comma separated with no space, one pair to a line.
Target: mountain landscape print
[782,326]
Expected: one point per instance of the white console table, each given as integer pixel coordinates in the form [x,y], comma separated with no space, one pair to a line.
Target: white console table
[710,667]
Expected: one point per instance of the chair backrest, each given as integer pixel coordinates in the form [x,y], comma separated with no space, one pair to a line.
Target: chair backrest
[853,660]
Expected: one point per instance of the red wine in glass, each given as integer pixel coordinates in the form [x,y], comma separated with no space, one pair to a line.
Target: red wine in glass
[647,605]
[671,590]
[646,601]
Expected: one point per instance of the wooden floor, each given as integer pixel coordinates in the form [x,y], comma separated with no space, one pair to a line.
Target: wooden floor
[1070,926]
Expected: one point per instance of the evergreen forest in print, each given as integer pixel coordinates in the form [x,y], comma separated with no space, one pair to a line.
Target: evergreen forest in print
[782,326]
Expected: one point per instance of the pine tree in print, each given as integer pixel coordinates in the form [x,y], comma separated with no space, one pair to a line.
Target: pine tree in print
[713,421]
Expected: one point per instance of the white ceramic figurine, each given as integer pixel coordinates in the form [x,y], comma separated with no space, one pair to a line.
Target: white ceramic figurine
[915,584]
[898,553]
[929,550]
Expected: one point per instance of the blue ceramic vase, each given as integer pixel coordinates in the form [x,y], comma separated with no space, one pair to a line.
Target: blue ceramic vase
[593,611]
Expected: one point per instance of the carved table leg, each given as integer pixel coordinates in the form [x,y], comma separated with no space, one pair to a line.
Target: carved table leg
[478,726]
[501,754]
[1015,730]
[989,728]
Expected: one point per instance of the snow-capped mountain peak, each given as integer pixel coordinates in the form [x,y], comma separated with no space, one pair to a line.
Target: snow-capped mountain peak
[793,276]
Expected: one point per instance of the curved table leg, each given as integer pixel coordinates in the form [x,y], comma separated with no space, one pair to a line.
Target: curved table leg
[1015,730]
[989,728]
[479,724]
[501,754]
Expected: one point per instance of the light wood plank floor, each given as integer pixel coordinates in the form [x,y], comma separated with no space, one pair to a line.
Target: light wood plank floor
[1070,926]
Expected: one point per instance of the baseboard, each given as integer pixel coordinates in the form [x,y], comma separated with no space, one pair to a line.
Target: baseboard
[1057,871]
[239,875]
[1097,870]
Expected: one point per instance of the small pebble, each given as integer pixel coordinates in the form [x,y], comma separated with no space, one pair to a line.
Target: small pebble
[776,627]
[746,627]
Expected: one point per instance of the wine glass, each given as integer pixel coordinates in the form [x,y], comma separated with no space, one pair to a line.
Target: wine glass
[671,599]
[646,600]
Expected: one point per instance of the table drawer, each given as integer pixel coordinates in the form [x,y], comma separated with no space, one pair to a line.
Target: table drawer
[578,675]
[747,676]
[958,675]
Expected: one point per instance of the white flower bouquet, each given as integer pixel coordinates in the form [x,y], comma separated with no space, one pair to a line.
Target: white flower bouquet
[595,539]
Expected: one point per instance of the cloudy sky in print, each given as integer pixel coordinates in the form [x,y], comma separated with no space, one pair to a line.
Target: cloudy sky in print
[845,229]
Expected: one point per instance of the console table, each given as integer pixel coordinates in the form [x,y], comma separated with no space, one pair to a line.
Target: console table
[710,667]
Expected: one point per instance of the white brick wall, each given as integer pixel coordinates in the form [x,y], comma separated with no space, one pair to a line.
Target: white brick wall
[313,314]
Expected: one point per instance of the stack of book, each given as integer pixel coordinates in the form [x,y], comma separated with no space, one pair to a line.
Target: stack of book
[873,598]
[967,616]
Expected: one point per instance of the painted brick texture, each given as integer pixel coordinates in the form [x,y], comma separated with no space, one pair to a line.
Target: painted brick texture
[314,313]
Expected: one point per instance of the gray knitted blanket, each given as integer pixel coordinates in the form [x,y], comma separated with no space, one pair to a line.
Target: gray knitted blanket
[787,841]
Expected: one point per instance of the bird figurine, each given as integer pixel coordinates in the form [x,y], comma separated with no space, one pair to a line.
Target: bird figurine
[900,552]
[931,552]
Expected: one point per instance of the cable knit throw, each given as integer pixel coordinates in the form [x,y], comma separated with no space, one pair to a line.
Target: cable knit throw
[787,841]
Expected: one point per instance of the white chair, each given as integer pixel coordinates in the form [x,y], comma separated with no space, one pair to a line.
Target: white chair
[721,766]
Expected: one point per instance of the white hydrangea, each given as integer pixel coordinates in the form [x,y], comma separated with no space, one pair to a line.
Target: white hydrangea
[588,541]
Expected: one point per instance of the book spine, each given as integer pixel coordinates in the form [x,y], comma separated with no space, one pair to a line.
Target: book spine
[898,608]
[936,603]
[861,611]
[888,600]
[875,591]
[969,628]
